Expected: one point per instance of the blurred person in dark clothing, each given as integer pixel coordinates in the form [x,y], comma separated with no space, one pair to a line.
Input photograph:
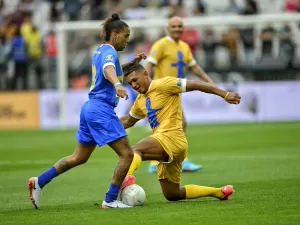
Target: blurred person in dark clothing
[250,8]
[72,9]
[231,42]
[209,46]
[5,48]
[20,59]
[267,35]
[51,52]
[287,44]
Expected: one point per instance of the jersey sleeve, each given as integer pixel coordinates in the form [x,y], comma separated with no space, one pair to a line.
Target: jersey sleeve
[190,58]
[136,111]
[156,53]
[109,57]
[172,85]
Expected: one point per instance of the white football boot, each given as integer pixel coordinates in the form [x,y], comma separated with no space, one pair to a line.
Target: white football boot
[115,204]
[34,191]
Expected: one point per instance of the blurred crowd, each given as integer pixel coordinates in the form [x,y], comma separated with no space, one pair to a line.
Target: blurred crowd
[28,48]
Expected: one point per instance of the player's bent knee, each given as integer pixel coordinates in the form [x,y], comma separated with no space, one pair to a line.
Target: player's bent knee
[172,197]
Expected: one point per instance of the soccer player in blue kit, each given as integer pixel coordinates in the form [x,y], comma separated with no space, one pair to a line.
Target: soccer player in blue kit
[99,124]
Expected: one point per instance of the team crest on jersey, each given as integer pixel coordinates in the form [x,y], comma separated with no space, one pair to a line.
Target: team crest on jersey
[109,58]
[153,53]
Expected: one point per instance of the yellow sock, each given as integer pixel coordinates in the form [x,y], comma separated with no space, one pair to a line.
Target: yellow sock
[153,162]
[195,191]
[136,162]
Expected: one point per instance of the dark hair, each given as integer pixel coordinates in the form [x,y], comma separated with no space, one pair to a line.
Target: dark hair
[111,24]
[130,69]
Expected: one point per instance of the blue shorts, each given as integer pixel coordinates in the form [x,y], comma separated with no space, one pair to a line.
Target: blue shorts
[99,124]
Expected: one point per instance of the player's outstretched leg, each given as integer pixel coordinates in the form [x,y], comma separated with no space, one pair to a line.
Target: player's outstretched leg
[173,191]
[36,184]
[125,153]
[147,149]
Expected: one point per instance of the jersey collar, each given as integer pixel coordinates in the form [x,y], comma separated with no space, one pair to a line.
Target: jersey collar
[170,39]
[108,45]
[149,87]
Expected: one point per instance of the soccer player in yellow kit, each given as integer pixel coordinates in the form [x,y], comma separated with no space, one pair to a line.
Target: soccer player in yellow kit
[171,57]
[159,101]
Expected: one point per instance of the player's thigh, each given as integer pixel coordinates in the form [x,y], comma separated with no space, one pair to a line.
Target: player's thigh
[122,147]
[170,190]
[104,125]
[84,135]
[150,149]
[83,152]
[170,171]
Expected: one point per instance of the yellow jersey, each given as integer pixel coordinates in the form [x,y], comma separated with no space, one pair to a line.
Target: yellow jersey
[161,104]
[170,58]
[34,43]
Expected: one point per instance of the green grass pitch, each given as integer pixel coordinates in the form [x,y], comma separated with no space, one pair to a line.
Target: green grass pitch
[262,161]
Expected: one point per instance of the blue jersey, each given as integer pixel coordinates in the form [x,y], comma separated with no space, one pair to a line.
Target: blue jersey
[102,88]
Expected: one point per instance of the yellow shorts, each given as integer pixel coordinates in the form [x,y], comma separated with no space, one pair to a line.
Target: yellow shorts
[175,145]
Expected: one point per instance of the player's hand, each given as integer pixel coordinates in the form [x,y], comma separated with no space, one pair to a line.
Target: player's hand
[233,98]
[121,92]
[139,58]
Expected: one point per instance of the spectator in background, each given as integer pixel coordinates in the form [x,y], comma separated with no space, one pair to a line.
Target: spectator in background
[5,48]
[287,45]
[55,10]
[9,28]
[116,7]
[250,8]
[267,36]
[97,9]
[232,8]
[20,59]
[35,53]
[200,8]
[26,27]
[291,6]
[1,12]
[136,11]
[137,37]
[51,53]
[247,37]
[231,40]
[192,37]
[209,46]
[72,9]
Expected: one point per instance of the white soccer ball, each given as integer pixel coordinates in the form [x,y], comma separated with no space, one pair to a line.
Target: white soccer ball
[133,195]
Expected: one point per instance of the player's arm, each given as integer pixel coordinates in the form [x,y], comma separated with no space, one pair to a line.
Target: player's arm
[230,97]
[135,61]
[128,121]
[111,75]
[197,70]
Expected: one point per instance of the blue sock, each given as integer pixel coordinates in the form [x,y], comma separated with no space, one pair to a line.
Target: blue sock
[112,193]
[46,177]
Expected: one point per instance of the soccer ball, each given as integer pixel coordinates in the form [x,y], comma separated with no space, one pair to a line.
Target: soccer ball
[133,195]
